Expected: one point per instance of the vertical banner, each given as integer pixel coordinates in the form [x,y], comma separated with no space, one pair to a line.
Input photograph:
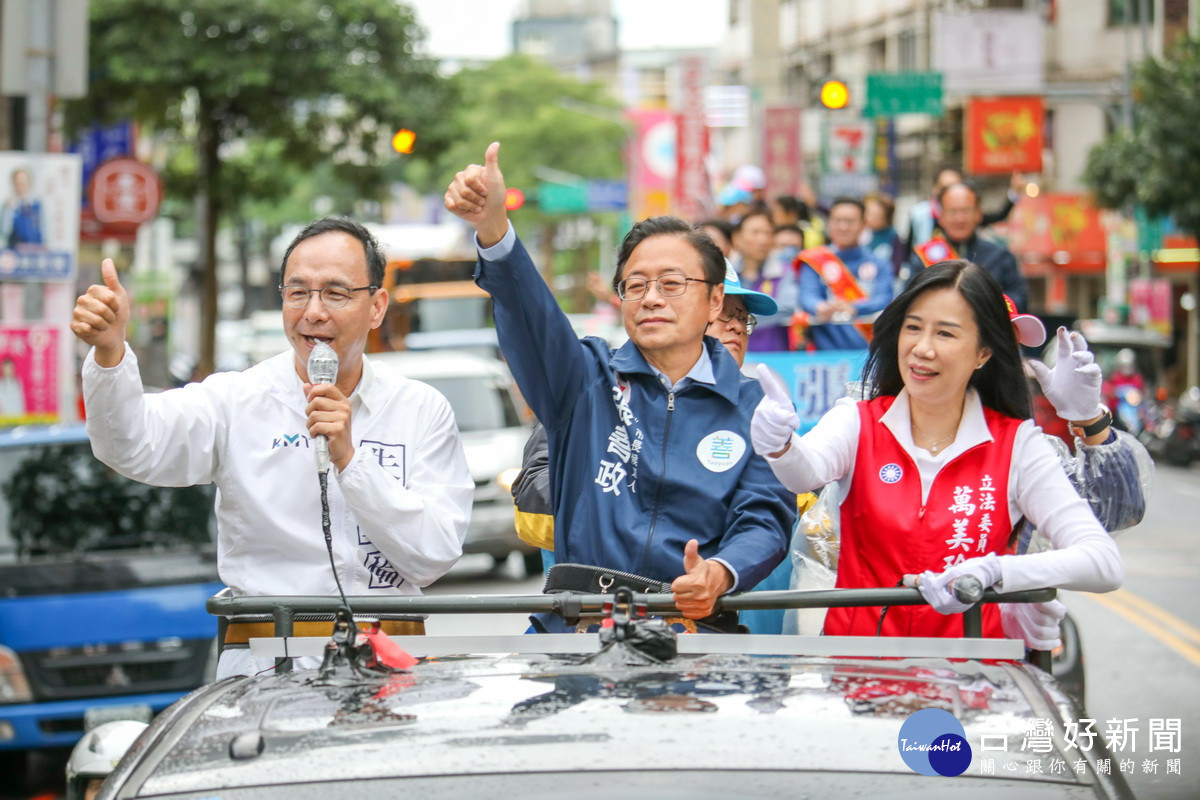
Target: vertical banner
[28,375]
[886,166]
[1004,134]
[783,161]
[692,192]
[651,163]
[39,216]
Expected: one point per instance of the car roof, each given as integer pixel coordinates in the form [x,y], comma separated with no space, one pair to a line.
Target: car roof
[430,364]
[522,714]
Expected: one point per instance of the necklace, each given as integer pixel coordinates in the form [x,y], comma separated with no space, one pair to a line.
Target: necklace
[933,447]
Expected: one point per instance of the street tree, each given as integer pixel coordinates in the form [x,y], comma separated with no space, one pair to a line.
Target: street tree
[1156,163]
[260,89]
[551,127]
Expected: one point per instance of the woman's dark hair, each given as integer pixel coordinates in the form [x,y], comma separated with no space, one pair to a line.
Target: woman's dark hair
[375,262]
[886,203]
[711,258]
[1000,382]
[793,205]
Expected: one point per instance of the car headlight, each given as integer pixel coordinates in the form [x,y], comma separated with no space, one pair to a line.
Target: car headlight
[508,477]
[14,688]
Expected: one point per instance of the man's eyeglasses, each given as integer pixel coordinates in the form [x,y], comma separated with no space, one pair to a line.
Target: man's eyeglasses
[746,321]
[668,286]
[332,296]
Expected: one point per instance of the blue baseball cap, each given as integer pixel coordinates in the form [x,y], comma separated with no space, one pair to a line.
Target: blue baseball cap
[757,303]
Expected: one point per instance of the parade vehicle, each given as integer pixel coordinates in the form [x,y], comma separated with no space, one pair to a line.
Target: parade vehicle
[102,589]
[633,709]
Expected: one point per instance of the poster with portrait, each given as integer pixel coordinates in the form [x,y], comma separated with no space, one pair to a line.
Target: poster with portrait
[28,375]
[39,216]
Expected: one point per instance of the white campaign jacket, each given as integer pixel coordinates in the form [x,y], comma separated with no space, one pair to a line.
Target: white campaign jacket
[398,512]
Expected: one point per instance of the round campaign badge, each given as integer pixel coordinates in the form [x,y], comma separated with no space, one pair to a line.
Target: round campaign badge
[867,272]
[890,473]
[720,450]
[937,251]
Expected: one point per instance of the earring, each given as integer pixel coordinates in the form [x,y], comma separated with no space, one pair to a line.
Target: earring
[979,366]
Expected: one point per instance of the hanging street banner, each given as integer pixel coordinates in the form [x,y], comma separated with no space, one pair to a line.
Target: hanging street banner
[693,196]
[39,216]
[1004,134]
[783,161]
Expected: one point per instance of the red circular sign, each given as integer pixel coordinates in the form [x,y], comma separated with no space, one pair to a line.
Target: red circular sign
[125,191]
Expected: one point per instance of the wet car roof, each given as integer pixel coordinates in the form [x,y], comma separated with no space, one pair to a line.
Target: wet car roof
[456,725]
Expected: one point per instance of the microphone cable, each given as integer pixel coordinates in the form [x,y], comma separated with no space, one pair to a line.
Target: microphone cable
[323,477]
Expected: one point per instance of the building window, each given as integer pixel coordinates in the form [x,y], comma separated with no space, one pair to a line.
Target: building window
[1118,8]
[878,55]
[906,51]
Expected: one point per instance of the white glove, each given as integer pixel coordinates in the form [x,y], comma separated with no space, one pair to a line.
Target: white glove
[1036,623]
[1073,386]
[775,418]
[938,587]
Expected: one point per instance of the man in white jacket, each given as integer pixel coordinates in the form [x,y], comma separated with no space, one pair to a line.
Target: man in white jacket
[401,496]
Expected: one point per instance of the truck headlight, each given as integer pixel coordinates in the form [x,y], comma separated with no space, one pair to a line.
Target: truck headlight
[14,688]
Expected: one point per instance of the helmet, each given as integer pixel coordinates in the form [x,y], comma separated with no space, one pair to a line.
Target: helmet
[98,752]
[1126,360]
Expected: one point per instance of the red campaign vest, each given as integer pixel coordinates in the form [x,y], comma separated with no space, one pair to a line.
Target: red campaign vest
[935,250]
[886,534]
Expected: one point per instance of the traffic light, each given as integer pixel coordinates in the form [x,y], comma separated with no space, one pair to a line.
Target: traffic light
[513,199]
[403,141]
[834,94]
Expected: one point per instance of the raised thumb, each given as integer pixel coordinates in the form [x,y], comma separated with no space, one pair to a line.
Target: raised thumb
[773,385]
[692,562]
[491,159]
[108,272]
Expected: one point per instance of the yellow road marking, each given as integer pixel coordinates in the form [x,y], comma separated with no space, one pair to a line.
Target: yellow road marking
[1153,620]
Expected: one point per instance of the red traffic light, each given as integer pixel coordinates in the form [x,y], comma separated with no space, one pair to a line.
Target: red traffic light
[513,199]
[403,141]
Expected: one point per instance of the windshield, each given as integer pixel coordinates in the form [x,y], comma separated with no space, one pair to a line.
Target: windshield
[57,499]
[480,403]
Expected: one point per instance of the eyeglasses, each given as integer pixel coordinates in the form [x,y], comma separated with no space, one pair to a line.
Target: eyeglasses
[668,286]
[333,297]
[746,321]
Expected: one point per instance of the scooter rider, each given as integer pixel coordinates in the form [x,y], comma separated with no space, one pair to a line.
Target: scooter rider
[96,754]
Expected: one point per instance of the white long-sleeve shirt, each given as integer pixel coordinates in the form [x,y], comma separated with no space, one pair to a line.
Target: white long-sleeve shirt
[398,511]
[1084,557]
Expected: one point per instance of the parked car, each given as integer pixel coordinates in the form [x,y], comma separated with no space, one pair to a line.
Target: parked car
[494,430]
[632,711]
[102,588]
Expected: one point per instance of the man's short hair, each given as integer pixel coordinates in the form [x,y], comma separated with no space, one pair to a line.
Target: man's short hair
[375,262]
[711,258]
[849,201]
[974,192]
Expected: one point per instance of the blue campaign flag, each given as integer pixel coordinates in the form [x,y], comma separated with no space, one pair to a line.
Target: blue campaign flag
[816,380]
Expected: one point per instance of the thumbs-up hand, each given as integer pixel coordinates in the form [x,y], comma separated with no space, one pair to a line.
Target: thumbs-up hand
[477,195]
[102,315]
[696,591]
[775,417]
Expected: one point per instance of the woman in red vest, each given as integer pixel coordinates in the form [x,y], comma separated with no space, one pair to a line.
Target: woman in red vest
[939,464]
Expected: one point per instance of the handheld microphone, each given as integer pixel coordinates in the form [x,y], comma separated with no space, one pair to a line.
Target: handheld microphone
[322,368]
